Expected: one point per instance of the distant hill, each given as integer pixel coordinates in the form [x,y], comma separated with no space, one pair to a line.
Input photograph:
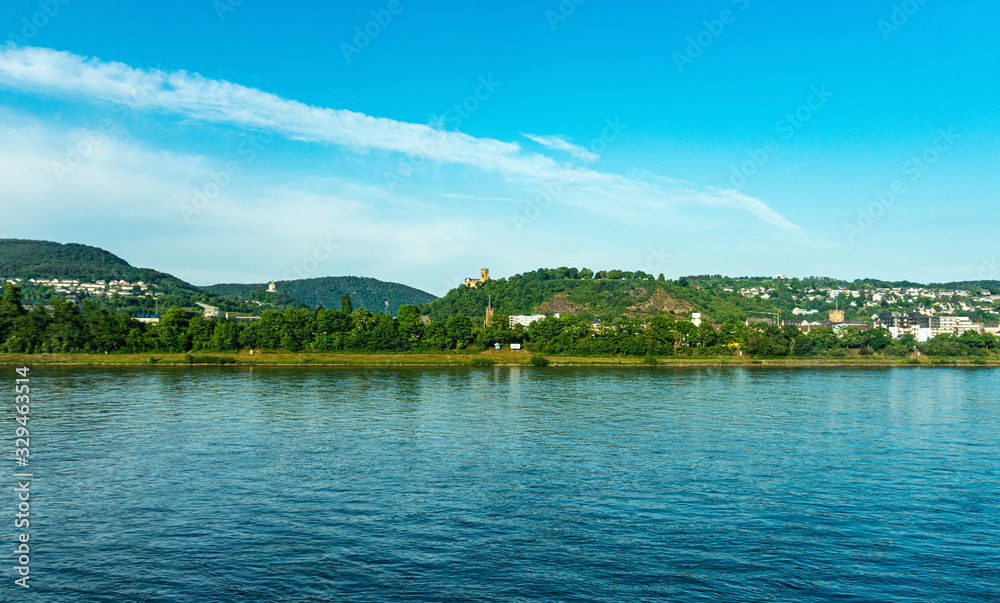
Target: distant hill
[22,258]
[612,294]
[365,292]
[605,296]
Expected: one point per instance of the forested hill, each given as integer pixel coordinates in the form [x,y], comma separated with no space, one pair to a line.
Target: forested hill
[602,295]
[368,293]
[25,259]
[22,258]
[612,294]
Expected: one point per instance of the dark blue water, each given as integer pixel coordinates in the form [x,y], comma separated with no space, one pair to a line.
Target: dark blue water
[226,484]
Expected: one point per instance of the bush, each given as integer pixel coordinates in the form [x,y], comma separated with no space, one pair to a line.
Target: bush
[481,361]
[650,360]
[539,360]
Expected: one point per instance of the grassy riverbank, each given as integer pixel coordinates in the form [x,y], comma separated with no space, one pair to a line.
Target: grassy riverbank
[488,358]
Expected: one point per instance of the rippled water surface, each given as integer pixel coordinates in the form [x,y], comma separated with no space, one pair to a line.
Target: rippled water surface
[507,484]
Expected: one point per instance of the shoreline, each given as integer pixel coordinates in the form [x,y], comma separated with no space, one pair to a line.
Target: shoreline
[474,360]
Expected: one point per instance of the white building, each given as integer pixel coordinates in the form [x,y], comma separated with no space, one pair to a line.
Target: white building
[524,321]
[951,325]
[210,311]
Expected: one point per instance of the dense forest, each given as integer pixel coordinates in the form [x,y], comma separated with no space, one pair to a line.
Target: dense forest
[609,295]
[45,259]
[62,327]
[368,293]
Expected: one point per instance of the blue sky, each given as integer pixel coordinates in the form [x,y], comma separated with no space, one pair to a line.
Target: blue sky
[419,141]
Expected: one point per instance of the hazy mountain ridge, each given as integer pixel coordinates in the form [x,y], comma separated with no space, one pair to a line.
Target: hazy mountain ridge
[27,259]
[24,258]
[369,293]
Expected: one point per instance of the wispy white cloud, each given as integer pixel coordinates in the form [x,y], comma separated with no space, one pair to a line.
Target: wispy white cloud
[195,97]
[125,198]
[479,198]
[559,143]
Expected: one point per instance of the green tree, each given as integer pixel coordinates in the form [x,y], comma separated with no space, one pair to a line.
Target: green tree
[410,325]
[10,304]
[297,327]
[264,333]
[171,331]
[333,321]
[878,339]
[225,336]
[362,332]
[66,332]
[791,334]
[459,330]
[199,332]
[435,337]
[823,338]
[333,329]
[10,309]
[385,335]
[345,304]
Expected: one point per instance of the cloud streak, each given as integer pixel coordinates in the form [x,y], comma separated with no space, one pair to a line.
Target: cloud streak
[192,96]
[559,143]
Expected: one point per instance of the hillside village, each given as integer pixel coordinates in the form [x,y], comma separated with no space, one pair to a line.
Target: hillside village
[73,289]
[934,312]
[928,301]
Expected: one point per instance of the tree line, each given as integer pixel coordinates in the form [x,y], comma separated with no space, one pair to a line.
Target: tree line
[61,327]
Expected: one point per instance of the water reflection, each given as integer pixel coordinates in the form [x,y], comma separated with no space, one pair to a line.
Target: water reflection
[277,483]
